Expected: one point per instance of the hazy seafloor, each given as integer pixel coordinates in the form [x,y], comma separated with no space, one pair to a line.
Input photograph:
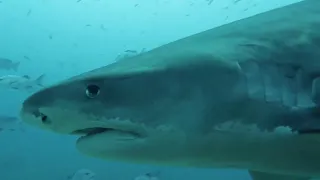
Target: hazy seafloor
[62,38]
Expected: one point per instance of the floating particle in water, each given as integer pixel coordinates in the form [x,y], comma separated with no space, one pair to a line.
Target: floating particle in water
[210,1]
[29,12]
[102,27]
[236,1]
[27,58]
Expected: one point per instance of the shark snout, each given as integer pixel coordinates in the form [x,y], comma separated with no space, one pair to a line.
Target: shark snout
[34,116]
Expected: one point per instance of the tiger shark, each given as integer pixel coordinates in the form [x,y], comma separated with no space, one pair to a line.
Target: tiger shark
[243,95]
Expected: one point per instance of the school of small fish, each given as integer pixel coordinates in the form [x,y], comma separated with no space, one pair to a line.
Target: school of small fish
[18,82]
[10,123]
[21,82]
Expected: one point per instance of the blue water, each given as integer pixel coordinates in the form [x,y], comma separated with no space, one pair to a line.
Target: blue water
[62,38]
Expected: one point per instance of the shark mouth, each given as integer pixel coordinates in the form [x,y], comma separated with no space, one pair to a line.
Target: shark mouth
[91,131]
[99,130]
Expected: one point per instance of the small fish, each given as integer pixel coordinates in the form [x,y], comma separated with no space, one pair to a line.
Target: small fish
[88,25]
[27,58]
[8,64]
[79,1]
[236,1]
[149,176]
[131,51]
[210,1]
[50,36]
[82,174]
[126,54]
[21,82]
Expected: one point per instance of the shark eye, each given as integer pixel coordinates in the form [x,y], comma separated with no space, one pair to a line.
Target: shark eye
[92,91]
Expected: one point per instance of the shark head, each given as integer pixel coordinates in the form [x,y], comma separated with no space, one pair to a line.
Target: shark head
[138,110]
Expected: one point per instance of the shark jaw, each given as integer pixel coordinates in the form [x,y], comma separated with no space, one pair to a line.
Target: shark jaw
[88,127]
[96,132]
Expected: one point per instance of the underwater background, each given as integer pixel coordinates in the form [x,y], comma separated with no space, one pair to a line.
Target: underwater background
[62,38]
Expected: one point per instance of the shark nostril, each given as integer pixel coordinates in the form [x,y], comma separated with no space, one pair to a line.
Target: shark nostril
[44,118]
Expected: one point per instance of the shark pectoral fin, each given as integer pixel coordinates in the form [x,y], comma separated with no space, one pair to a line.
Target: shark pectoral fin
[269,176]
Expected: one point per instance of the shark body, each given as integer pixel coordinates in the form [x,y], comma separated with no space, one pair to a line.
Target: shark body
[243,95]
